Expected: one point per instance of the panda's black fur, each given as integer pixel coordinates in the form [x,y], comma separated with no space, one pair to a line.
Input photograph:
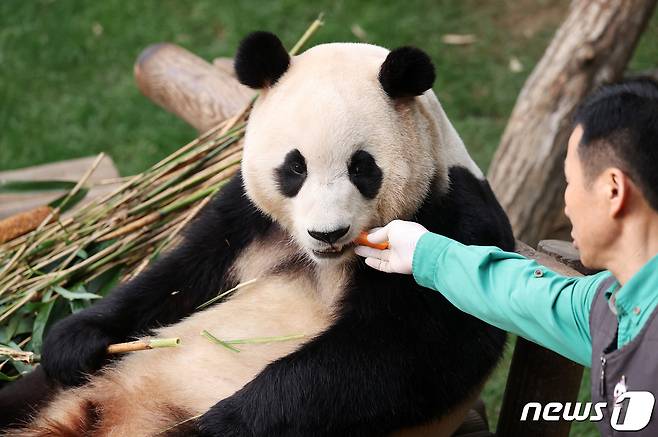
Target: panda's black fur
[261,59]
[406,72]
[397,354]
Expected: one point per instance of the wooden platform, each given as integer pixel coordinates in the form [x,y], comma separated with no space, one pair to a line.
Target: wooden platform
[69,170]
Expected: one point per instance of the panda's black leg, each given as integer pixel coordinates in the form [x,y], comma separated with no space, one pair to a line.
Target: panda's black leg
[333,386]
[21,398]
[398,356]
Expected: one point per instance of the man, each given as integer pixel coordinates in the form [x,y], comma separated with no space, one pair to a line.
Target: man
[608,321]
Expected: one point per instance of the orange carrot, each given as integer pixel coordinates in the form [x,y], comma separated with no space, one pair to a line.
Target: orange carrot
[362,239]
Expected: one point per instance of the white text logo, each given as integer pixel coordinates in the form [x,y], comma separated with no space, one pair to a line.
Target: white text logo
[631,412]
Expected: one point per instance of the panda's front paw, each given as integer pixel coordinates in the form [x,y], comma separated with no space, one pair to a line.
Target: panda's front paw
[224,419]
[74,348]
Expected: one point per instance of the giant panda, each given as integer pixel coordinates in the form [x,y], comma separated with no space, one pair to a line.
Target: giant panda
[343,137]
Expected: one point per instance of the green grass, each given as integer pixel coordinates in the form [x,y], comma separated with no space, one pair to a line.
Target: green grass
[67,90]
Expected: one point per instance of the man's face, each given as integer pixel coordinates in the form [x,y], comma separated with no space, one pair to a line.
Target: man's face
[585,206]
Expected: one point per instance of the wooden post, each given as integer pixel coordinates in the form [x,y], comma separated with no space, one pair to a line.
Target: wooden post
[592,47]
[536,373]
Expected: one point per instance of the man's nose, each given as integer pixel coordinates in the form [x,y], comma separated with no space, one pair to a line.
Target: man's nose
[329,237]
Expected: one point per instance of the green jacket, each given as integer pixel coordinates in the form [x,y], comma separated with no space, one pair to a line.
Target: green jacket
[521,296]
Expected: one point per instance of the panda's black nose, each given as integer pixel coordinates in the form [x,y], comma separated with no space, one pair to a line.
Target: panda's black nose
[329,237]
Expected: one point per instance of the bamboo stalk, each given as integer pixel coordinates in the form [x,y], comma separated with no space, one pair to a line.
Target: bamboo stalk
[141,345]
[132,226]
[113,349]
[54,212]
[309,32]
[226,293]
[177,424]
[108,229]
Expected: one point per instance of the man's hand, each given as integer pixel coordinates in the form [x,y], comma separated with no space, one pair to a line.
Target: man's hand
[402,237]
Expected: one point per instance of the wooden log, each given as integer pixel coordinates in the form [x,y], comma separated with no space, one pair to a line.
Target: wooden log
[188,86]
[592,47]
[564,252]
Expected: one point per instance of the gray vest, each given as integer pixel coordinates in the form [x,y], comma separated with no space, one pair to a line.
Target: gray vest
[634,367]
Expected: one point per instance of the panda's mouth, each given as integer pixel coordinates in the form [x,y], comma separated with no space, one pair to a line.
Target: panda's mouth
[332,252]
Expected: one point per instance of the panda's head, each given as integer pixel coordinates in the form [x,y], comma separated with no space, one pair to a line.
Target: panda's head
[338,140]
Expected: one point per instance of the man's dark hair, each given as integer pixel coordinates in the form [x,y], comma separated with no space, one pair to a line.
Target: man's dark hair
[620,129]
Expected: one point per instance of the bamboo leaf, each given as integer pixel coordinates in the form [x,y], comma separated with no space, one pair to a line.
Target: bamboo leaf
[78,305]
[106,281]
[42,246]
[67,294]
[227,292]
[27,186]
[7,378]
[216,340]
[64,205]
[39,326]
[265,340]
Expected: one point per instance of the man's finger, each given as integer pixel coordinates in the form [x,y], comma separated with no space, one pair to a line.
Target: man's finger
[378,264]
[378,235]
[371,252]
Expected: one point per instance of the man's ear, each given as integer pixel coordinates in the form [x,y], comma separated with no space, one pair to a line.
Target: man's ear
[618,187]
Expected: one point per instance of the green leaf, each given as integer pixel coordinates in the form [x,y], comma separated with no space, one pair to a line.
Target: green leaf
[78,305]
[82,254]
[11,328]
[70,295]
[70,203]
[216,340]
[39,326]
[24,326]
[45,245]
[7,378]
[26,186]
[106,281]
[22,367]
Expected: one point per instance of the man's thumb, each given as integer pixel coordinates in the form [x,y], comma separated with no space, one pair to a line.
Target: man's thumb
[378,235]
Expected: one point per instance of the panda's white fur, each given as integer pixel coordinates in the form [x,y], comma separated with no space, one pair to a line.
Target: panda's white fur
[328,104]
[313,108]
[145,393]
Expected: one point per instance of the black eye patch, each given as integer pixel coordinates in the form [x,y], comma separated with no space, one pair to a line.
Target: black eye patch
[365,174]
[290,175]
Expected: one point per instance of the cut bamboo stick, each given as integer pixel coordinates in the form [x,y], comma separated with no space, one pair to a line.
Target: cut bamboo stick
[113,349]
[141,345]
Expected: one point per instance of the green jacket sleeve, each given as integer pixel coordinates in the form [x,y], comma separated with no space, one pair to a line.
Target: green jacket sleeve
[511,292]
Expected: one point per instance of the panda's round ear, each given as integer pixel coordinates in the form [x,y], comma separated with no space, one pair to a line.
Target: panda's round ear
[260,60]
[406,72]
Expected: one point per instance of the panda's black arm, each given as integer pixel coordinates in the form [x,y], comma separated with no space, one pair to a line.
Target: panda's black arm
[386,364]
[167,291]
